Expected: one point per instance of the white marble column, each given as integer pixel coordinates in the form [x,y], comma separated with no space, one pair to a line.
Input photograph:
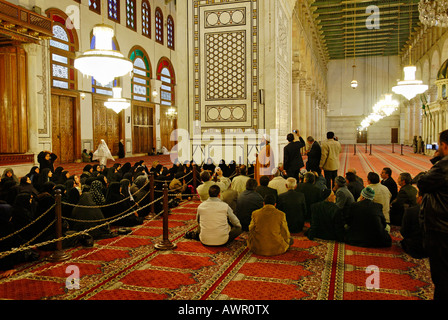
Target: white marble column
[295,103]
[32,97]
[303,108]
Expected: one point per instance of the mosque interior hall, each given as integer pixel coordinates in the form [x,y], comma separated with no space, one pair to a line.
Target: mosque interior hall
[173,81]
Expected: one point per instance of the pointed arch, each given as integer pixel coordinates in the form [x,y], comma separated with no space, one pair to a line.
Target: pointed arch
[159,25]
[166,74]
[63,47]
[141,81]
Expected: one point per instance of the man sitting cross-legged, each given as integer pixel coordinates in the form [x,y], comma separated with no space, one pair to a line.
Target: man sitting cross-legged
[218,225]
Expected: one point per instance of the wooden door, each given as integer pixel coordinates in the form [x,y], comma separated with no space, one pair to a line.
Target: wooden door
[143,129]
[63,127]
[167,126]
[361,136]
[13,101]
[106,125]
[394,135]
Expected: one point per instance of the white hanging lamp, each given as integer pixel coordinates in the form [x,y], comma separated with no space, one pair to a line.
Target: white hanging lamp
[410,87]
[103,63]
[117,103]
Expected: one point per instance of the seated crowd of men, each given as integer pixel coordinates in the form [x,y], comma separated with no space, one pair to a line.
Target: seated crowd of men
[232,202]
[354,212]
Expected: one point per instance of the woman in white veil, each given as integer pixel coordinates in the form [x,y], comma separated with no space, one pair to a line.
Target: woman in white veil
[103,154]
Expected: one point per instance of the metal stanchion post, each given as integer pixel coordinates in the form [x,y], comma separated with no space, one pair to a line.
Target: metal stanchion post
[195,176]
[370,150]
[152,185]
[402,150]
[354,148]
[165,244]
[59,255]
[393,148]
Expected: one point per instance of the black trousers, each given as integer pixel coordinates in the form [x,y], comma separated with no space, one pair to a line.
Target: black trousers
[330,176]
[436,244]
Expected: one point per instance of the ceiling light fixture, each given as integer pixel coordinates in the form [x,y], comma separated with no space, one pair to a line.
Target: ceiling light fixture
[103,63]
[117,103]
[434,13]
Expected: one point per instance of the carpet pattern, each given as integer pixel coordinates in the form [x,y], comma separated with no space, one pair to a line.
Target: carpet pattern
[130,268]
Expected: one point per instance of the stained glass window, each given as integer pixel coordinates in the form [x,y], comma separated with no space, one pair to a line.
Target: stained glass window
[165,74]
[131,14]
[159,25]
[146,18]
[113,10]
[141,81]
[63,46]
[170,32]
[95,6]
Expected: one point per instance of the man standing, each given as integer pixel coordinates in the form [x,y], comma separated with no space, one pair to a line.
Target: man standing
[292,160]
[329,161]
[433,186]
[314,156]
[213,217]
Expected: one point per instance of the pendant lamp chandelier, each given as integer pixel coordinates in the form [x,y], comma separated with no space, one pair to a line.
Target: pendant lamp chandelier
[103,63]
[434,13]
[354,83]
[117,103]
[410,87]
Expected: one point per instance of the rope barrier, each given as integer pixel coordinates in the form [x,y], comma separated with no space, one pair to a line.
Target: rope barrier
[24,248]
[71,261]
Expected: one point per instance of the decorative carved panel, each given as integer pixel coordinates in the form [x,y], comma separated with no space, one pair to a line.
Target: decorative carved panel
[225,48]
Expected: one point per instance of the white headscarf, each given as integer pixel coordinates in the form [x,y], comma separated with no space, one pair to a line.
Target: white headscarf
[102,152]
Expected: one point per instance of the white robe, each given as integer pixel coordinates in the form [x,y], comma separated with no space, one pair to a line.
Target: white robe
[103,154]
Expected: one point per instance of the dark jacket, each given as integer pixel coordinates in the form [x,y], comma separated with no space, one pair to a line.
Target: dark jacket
[355,187]
[392,186]
[433,187]
[406,197]
[326,222]
[366,226]
[312,195]
[264,191]
[248,201]
[411,231]
[292,160]
[293,204]
[314,156]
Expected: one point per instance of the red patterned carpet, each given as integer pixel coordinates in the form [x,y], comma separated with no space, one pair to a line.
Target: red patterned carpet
[130,268]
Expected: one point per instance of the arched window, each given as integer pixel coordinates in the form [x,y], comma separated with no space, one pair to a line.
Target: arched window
[131,14]
[159,25]
[63,46]
[165,73]
[113,10]
[95,6]
[141,81]
[97,87]
[146,18]
[170,32]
